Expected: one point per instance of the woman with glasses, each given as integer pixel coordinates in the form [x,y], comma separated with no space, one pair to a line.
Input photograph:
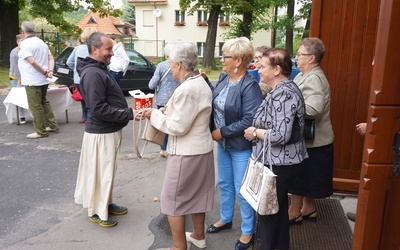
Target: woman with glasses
[236,98]
[315,180]
[190,176]
[259,51]
[279,122]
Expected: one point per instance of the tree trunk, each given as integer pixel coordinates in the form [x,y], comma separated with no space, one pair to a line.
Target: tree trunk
[246,28]
[306,32]
[8,29]
[289,29]
[209,52]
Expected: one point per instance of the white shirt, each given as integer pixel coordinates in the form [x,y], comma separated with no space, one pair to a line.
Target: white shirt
[36,48]
[120,60]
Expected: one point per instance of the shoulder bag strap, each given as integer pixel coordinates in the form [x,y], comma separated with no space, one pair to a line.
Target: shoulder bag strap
[164,75]
[136,138]
[269,149]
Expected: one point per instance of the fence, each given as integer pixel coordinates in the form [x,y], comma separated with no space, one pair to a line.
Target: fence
[56,41]
[152,49]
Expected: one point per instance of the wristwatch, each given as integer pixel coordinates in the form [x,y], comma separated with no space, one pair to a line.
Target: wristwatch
[255,133]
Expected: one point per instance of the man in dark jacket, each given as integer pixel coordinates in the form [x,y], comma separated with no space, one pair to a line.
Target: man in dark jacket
[108,113]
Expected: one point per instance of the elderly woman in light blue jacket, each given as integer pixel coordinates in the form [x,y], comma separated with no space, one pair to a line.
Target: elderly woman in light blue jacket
[82,52]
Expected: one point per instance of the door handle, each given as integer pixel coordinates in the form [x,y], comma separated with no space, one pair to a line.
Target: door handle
[396,147]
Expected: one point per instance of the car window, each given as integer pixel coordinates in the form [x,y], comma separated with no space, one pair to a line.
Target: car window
[136,59]
[65,54]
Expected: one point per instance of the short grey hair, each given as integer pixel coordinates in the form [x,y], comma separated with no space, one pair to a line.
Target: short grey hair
[28,27]
[95,40]
[185,52]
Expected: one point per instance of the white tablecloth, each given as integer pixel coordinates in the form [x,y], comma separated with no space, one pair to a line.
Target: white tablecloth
[59,97]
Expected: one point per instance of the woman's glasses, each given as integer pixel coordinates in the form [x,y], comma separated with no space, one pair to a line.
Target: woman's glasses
[303,54]
[223,57]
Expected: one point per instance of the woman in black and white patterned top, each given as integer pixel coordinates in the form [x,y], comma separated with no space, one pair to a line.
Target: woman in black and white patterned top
[280,117]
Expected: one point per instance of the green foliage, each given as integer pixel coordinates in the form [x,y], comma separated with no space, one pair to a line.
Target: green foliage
[53,11]
[212,74]
[4,79]
[128,13]
[74,17]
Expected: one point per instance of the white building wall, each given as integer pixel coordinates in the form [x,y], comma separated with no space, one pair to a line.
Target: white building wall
[162,28]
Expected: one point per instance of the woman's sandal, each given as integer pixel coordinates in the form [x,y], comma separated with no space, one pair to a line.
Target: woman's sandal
[296,221]
[309,217]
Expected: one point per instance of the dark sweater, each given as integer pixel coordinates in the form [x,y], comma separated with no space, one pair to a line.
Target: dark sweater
[108,110]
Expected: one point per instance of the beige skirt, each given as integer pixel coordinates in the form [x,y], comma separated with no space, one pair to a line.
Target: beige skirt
[97,168]
[188,185]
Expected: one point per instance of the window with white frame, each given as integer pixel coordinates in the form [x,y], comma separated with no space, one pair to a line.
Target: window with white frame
[200,49]
[179,18]
[202,15]
[148,18]
[224,19]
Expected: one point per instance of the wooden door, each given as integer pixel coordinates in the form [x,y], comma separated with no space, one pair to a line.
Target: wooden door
[354,32]
[348,29]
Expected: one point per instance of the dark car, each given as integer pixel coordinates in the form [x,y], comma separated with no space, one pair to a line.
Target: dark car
[138,75]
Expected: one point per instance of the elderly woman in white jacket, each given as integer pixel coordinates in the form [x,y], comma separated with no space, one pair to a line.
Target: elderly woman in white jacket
[189,180]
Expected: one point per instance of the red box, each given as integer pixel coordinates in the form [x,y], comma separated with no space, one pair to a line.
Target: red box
[140,102]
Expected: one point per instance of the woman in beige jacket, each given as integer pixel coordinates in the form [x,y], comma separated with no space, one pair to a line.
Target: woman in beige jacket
[316,176]
[189,180]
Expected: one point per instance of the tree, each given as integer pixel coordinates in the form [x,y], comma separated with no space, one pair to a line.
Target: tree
[290,26]
[51,10]
[214,7]
[9,16]
[128,13]
[305,13]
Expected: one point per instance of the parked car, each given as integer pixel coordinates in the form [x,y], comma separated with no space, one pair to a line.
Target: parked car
[138,75]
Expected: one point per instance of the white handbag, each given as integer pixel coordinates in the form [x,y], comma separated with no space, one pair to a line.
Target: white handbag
[259,183]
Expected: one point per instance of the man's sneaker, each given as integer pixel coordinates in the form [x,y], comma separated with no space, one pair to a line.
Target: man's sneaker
[35,136]
[117,210]
[22,120]
[56,130]
[103,223]
[107,223]
[95,218]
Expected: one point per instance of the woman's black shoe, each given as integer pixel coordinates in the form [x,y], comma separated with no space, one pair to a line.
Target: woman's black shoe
[308,217]
[213,229]
[296,221]
[243,246]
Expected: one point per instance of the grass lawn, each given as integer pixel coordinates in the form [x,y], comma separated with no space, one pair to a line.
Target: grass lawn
[4,80]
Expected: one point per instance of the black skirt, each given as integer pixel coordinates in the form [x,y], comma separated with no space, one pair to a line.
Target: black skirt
[316,177]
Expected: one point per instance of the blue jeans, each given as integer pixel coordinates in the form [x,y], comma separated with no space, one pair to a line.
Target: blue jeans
[14,83]
[231,169]
[117,75]
[164,146]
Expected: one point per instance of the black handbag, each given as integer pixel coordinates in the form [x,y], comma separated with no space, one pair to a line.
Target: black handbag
[309,129]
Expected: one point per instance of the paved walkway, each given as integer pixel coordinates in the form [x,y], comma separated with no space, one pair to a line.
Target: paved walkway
[37,185]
